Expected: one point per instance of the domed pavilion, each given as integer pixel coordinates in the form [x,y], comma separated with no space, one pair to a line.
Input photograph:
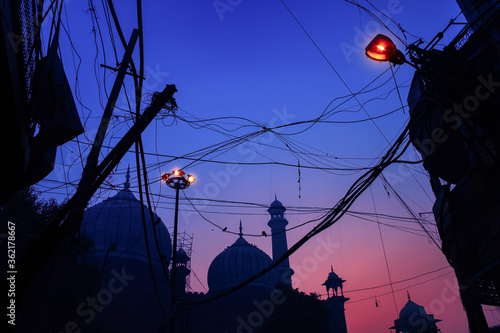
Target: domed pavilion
[413,318]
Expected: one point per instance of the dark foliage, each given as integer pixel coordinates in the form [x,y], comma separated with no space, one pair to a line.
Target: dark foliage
[31,214]
[299,313]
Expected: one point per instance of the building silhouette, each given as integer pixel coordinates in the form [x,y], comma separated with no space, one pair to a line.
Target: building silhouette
[121,252]
[335,303]
[414,319]
[277,223]
[454,124]
[237,263]
[122,247]
[477,12]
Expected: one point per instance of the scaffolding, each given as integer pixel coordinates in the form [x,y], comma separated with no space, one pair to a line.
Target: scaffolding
[185,242]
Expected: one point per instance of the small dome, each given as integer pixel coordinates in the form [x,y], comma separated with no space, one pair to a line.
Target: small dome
[236,264]
[411,318]
[118,220]
[333,281]
[182,257]
[277,204]
[333,276]
[277,210]
[410,308]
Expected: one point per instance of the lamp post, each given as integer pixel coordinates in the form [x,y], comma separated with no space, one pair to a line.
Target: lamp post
[177,181]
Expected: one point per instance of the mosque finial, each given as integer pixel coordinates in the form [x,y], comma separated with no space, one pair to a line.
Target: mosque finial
[241,230]
[408,293]
[331,267]
[275,196]
[127,178]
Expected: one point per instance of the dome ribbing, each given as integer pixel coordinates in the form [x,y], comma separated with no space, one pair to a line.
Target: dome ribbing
[118,220]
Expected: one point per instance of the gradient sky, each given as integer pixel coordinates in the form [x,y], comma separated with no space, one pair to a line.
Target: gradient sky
[252,61]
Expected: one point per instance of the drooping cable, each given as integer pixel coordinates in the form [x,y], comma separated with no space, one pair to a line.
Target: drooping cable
[400,289]
[145,228]
[342,206]
[385,253]
[333,68]
[409,210]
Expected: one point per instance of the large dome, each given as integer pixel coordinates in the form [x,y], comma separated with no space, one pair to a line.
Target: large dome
[236,264]
[118,220]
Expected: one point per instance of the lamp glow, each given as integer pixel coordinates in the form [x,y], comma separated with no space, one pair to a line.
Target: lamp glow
[381,48]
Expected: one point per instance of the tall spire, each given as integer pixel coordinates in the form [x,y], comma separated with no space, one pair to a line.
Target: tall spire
[241,230]
[127,177]
[278,224]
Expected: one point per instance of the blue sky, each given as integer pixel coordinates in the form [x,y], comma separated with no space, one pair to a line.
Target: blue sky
[240,66]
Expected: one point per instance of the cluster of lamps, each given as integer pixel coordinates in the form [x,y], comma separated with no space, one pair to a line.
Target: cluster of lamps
[176,179]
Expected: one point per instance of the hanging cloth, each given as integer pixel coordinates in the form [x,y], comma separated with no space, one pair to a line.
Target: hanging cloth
[52,104]
[53,108]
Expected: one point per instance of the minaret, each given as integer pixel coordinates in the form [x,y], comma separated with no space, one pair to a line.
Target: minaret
[182,272]
[334,304]
[277,223]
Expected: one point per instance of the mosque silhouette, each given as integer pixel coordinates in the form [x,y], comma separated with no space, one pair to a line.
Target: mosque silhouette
[135,293]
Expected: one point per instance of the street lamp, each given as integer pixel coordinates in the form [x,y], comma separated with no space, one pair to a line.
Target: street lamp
[382,48]
[177,181]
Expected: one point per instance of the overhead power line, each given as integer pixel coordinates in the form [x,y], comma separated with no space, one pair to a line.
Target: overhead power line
[400,289]
[342,206]
[397,282]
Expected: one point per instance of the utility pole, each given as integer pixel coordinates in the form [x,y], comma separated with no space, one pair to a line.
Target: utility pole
[48,242]
[59,237]
[72,221]
[83,191]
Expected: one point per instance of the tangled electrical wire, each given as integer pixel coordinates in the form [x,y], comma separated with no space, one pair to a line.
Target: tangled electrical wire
[333,215]
[169,109]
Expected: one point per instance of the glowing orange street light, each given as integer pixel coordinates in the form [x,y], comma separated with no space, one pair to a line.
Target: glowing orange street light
[190,179]
[381,48]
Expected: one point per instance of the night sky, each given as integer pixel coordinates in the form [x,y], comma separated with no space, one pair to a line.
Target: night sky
[298,67]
